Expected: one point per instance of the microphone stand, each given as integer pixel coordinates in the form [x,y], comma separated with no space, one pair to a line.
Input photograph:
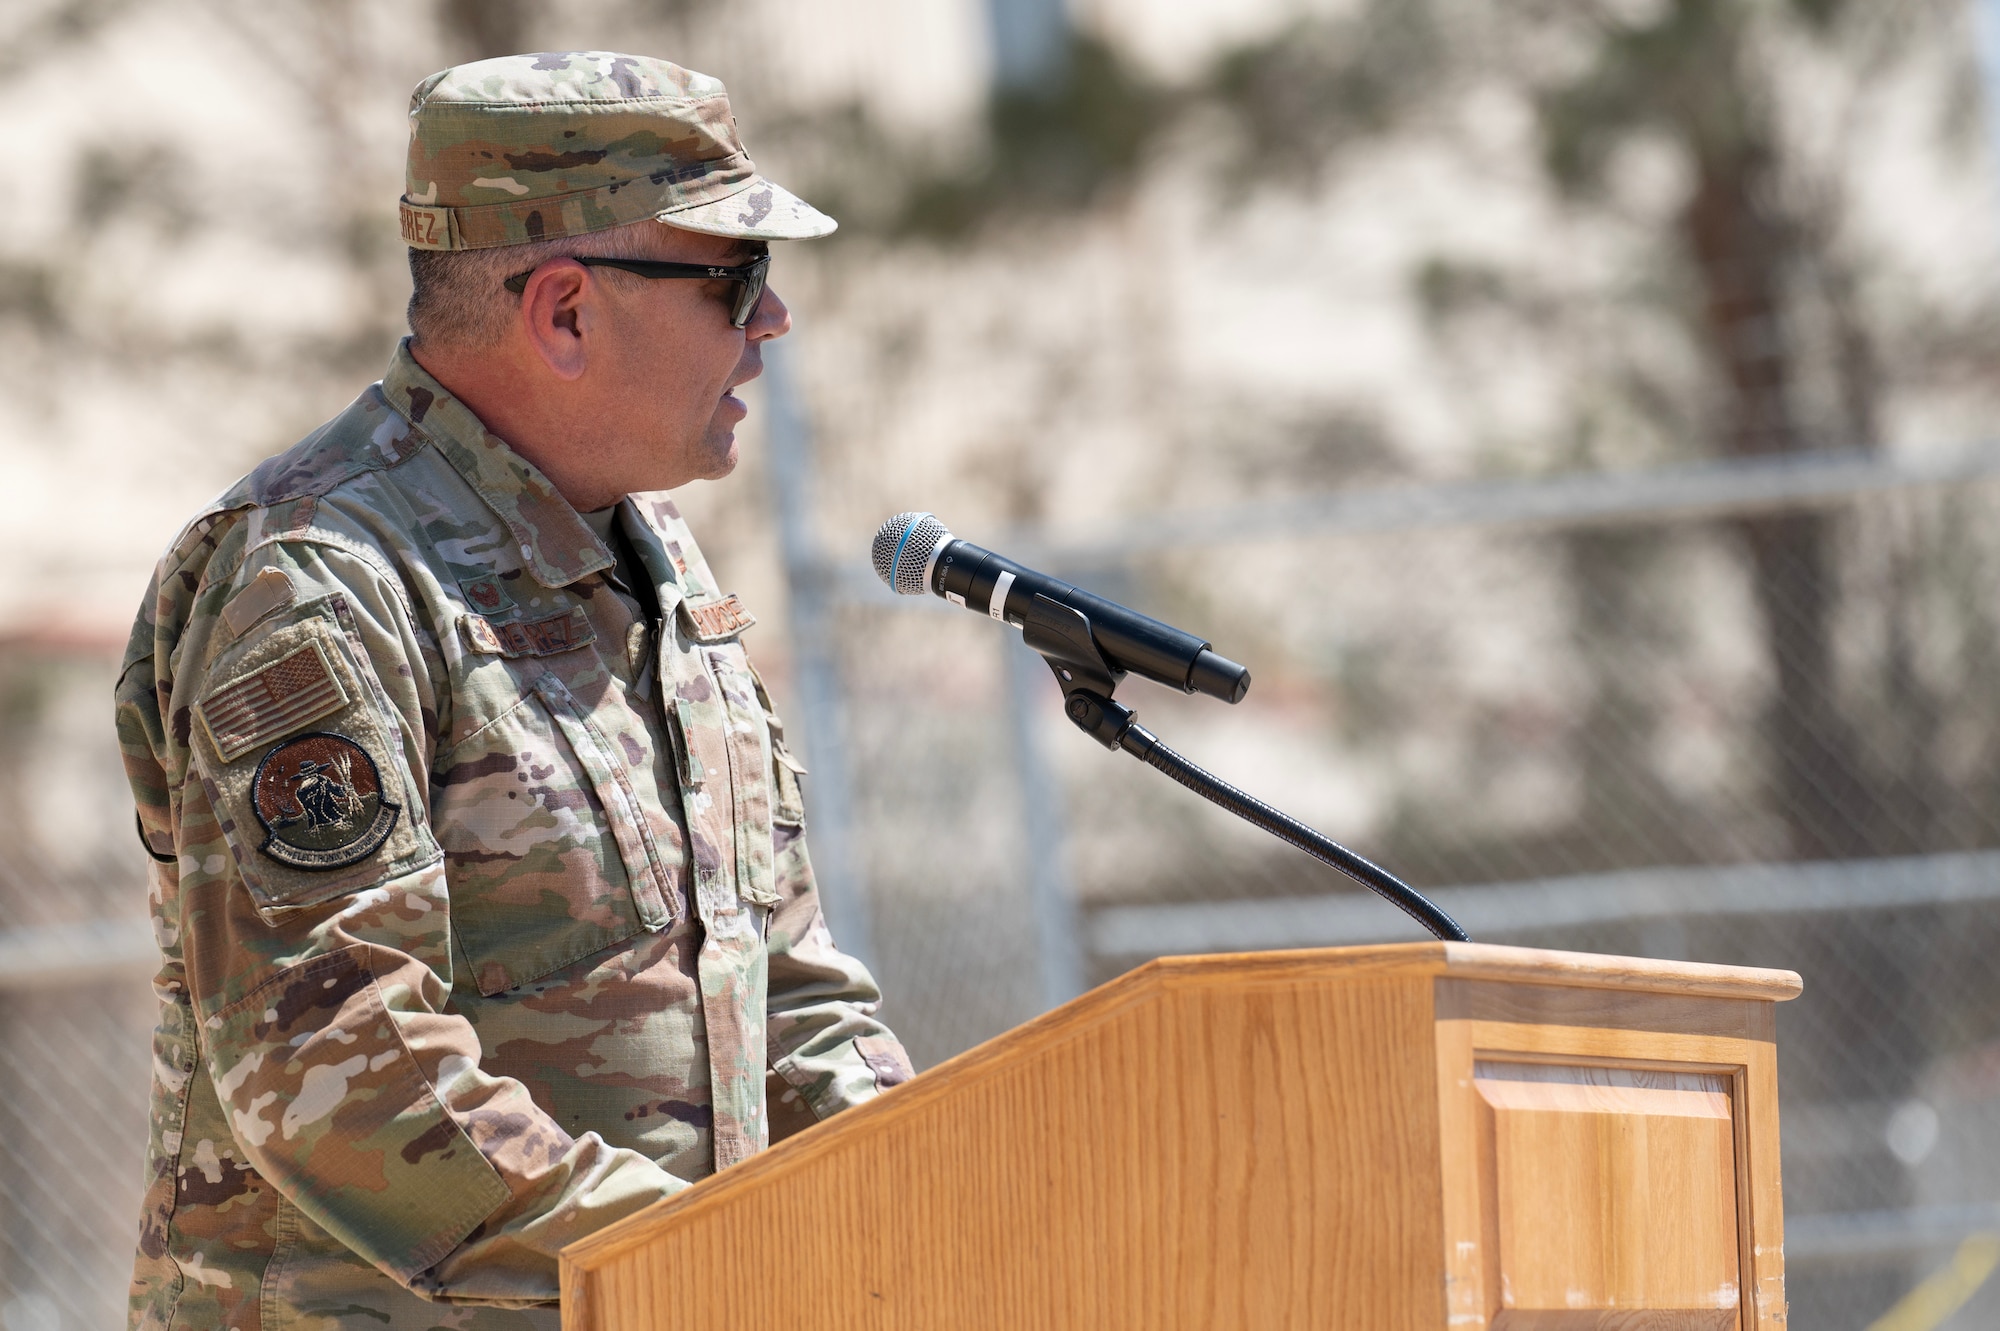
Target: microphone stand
[1061,634]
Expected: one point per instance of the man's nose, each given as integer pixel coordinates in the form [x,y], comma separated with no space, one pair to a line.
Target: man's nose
[772,319]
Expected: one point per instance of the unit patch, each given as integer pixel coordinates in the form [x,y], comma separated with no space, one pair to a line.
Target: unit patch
[296,688]
[721,619]
[320,800]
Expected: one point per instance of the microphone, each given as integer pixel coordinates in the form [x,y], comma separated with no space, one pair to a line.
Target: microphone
[1091,644]
[914,554]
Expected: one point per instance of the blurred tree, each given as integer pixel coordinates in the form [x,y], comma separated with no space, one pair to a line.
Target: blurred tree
[481,29]
[1691,74]
[1054,144]
[34,31]
[1761,234]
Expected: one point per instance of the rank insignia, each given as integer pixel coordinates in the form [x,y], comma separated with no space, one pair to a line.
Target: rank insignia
[320,799]
[487,595]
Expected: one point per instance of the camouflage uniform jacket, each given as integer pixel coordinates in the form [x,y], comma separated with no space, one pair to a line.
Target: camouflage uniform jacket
[483,903]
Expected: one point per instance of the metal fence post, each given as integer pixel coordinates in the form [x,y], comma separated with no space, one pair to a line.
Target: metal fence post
[1030,42]
[811,602]
[1986,37]
[1058,928]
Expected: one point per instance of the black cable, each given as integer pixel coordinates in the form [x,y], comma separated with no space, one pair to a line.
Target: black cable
[1144,745]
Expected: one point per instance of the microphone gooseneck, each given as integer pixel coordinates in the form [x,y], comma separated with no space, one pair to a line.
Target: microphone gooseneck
[1091,644]
[1144,745]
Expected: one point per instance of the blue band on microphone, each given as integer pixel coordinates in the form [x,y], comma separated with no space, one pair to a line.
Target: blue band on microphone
[896,563]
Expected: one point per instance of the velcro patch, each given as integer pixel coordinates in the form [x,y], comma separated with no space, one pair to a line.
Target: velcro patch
[275,700]
[544,637]
[719,619]
[268,591]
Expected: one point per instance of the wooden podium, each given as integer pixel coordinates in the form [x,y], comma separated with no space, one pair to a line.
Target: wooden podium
[1436,1135]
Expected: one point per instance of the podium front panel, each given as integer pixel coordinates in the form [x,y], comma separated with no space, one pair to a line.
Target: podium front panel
[1405,1138]
[1615,1163]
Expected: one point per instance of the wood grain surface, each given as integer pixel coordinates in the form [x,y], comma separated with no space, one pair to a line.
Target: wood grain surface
[1280,1140]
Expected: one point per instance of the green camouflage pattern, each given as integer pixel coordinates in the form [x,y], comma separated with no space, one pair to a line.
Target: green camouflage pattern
[531,147]
[585,967]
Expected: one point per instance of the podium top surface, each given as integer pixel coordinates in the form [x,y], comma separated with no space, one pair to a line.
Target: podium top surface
[1482,961]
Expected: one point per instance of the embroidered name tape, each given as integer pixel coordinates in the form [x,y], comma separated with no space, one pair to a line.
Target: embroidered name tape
[425,227]
[297,688]
[544,637]
[718,619]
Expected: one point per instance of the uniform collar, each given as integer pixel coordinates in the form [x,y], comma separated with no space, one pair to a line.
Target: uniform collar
[552,539]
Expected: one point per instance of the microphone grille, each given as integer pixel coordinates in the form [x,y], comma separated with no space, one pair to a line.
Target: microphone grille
[903,549]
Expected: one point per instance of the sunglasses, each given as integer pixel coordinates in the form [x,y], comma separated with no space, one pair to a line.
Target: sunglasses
[748,297]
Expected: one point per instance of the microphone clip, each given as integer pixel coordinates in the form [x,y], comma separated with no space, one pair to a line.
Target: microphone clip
[1061,634]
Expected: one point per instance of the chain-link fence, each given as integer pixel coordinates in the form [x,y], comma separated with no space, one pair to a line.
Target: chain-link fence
[1573,731]
[1569,729]
[76,1011]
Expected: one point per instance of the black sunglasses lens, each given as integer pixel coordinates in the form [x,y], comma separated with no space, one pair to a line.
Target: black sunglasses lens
[748,299]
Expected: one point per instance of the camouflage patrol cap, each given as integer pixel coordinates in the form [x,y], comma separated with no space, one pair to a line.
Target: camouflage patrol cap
[531,147]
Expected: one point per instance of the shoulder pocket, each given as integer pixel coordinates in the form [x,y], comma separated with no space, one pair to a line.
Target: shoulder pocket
[306,769]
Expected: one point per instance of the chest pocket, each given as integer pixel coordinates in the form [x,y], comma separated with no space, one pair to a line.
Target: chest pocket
[550,856]
[725,735]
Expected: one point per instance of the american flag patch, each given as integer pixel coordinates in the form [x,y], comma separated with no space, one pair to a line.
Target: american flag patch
[274,700]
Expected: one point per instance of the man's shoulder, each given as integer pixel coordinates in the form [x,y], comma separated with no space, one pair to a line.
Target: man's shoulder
[286,499]
[368,436]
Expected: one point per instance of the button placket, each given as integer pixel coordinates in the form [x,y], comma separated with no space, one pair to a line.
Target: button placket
[732,961]
[748,744]
[698,725]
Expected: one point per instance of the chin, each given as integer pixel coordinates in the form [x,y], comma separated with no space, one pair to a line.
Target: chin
[721,459]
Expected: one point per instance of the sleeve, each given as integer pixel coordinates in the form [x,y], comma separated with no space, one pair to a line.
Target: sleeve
[317,929]
[828,1050]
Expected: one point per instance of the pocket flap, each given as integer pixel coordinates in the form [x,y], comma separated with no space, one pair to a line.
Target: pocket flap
[621,803]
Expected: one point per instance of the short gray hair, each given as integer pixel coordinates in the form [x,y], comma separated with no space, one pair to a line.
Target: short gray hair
[457,297]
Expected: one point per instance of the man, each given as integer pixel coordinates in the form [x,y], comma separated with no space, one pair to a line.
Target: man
[480,889]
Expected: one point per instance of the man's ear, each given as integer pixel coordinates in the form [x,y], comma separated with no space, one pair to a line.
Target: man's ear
[554,315]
